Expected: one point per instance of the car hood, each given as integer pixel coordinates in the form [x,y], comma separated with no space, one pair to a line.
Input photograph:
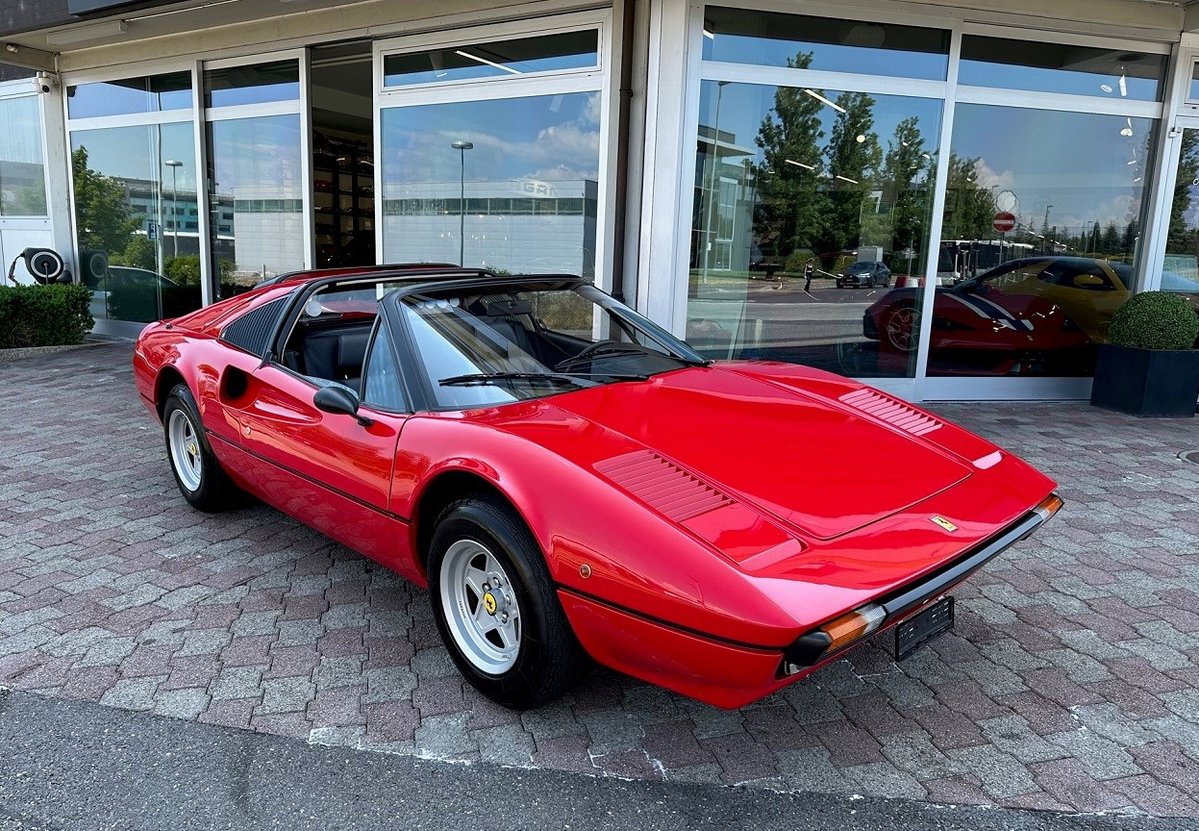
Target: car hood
[792,448]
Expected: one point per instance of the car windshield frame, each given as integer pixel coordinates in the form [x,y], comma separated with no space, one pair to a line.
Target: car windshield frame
[408,308]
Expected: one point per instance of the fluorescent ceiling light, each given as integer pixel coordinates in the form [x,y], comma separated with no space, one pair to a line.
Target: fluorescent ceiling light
[471,57]
[824,100]
[96,31]
[800,164]
[847,179]
[709,34]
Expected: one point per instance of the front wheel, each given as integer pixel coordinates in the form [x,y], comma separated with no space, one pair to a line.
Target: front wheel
[901,327]
[200,477]
[496,608]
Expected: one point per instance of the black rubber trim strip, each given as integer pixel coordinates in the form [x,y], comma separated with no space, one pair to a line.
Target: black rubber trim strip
[708,636]
[311,480]
[912,596]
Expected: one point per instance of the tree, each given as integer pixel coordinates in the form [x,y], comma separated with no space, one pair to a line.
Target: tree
[139,253]
[853,157]
[102,212]
[1180,238]
[904,183]
[789,180]
[970,209]
[1110,243]
[1129,241]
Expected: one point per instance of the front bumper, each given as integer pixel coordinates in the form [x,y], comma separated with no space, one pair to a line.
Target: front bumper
[730,675]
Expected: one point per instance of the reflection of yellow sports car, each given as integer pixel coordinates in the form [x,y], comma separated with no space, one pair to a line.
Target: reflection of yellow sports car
[1088,290]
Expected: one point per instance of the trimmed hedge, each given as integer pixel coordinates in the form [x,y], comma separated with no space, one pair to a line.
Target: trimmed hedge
[53,315]
[1155,320]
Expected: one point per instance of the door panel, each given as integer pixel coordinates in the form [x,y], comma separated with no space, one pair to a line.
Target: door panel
[325,469]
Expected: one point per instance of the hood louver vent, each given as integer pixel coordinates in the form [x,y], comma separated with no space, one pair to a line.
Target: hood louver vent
[667,488]
[885,408]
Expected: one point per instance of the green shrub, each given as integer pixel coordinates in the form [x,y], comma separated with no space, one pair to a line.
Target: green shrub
[1155,320]
[53,315]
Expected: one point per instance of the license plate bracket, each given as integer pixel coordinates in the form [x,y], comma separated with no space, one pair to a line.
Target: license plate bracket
[917,630]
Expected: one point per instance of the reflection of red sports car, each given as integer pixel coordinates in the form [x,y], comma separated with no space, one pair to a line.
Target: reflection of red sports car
[571,480]
[978,329]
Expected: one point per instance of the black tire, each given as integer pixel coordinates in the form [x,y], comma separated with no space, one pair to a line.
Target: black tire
[549,659]
[215,491]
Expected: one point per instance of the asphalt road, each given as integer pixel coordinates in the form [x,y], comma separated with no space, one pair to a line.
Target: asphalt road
[68,765]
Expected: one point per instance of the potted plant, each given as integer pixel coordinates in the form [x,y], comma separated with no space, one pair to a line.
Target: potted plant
[1149,368]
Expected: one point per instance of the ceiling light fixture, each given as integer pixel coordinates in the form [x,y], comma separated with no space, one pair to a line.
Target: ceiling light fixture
[709,34]
[824,100]
[479,59]
[800,164]
[94,31]
[847,179]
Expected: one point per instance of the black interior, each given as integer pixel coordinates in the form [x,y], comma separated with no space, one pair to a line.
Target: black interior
[330,350]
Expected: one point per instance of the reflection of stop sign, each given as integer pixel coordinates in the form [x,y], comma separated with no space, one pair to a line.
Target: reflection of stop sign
[1004,222]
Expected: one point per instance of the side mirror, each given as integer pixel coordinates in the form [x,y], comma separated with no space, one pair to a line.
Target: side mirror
[339,400]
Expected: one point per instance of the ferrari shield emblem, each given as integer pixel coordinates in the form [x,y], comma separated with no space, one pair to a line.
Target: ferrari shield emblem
[944,523]
[489,602]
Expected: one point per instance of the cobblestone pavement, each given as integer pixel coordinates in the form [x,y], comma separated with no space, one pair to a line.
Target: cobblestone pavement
[1071,681]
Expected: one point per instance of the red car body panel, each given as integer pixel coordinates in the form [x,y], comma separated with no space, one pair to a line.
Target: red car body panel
[695,523]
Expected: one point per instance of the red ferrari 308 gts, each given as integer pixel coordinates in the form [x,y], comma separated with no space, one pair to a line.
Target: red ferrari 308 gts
[570,480]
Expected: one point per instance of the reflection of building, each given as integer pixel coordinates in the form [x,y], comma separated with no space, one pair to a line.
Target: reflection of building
[266,220]
[522,225]
[723,168]
[179,215]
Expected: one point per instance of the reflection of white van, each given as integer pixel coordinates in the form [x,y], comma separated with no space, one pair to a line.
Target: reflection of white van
[1185,266]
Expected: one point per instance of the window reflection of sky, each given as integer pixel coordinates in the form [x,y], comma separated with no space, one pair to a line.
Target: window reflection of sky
[1079,163]
[862,47]
[137,152]
[259,153]
[547,138]
[572,50]
[155,93]
[1071,70]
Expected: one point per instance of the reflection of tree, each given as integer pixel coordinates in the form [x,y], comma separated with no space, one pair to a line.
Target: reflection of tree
[970,209]
[1182,239]
[102,213]
[790,177]
[26,201]
[853,158]
[904,183]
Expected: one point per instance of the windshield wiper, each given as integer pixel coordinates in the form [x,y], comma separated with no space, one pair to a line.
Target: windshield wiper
[602,349]
[488,378]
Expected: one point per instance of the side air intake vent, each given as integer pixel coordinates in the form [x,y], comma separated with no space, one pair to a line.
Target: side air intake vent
[667,488]
[891,410]
[252,330]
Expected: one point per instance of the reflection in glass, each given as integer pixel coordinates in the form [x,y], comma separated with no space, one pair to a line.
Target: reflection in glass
[145,94]
[824,43]
[1061,67]
[1035,300]
[569,50]
[252,84]
[137,220]
[1181,270]
[530,179]
[22,170]
[811,205]
[256,200]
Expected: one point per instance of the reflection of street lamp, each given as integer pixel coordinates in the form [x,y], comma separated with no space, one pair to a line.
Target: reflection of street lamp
[1045,228]
[174,165]
[462,146]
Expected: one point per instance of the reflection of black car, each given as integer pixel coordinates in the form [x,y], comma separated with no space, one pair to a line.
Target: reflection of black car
[864,274]
[142,295]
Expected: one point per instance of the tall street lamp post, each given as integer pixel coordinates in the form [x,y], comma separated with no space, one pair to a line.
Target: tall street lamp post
[174,165]
[462,146]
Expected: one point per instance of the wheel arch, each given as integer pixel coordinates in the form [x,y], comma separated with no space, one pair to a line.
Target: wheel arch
[168,377]
[444,487]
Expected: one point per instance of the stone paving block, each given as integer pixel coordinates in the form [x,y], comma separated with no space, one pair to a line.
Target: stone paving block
[884,780]
[811,769]
[133,693]
[506,744]
[237,682]
[285,695]
[915,754]
[1069,781]
[1102,758]
[187,703]
[445,737]
[1000,774]
[1013,735]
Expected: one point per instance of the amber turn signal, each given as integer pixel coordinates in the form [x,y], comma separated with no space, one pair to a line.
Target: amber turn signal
[1050,506]
[852,626]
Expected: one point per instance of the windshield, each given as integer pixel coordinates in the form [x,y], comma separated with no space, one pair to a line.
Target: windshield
[496,344]
[856,267]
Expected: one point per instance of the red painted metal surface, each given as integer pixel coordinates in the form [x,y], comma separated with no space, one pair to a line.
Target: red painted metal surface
[721,511]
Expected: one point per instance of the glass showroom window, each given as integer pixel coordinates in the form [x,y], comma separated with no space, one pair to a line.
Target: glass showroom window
[22,166]
[1030,294]
[135,196]
[256,193]
[502,169]
[810,203]
[1181,268]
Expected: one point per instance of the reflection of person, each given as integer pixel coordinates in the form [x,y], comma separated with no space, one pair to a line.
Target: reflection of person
[808,271]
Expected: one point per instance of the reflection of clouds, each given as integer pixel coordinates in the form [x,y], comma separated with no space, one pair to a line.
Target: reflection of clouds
[592,110]
[985,177]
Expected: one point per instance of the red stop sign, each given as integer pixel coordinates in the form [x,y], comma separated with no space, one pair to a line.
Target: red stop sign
[1004,222]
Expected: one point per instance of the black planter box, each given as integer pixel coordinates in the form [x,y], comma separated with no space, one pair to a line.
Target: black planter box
[1150,383]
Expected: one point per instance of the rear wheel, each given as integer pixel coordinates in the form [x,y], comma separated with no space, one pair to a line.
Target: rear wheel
[901,327]
[496,608]
[200,477]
